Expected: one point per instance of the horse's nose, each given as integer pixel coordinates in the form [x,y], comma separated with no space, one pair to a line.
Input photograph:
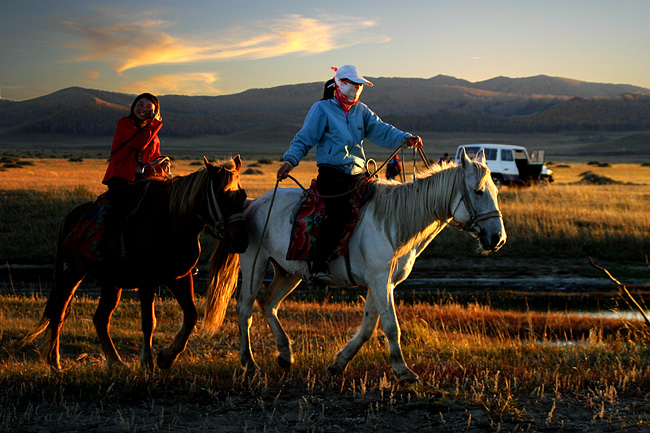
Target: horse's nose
[498,240]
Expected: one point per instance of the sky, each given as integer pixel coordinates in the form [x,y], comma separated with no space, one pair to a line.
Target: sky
[213,47]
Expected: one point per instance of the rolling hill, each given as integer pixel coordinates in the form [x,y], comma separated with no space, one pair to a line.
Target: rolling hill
[437,104]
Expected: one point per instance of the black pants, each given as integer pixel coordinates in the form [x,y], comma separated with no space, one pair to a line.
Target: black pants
[120,197]
[332,182]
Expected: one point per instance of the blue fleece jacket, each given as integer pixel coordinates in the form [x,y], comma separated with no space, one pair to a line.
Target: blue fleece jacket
[339,138]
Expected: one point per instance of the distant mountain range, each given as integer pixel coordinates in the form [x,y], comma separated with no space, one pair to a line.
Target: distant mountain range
[441,103]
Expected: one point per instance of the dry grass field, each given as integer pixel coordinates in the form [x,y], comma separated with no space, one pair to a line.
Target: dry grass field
[482,369]
[560,220]
[48,174]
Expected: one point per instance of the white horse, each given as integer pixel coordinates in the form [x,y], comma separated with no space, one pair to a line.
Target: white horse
[400,220]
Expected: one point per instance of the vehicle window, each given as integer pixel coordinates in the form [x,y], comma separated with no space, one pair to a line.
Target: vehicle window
[506,155]
[537,156]
[471,151]
[520,154]
[490,154]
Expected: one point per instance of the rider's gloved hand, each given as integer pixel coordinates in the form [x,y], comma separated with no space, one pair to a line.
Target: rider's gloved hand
[413,141]
[283,171]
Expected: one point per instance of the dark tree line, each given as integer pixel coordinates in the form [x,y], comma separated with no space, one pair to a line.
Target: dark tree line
[95,113]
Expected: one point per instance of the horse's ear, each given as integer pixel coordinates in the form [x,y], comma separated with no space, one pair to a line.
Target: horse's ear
[238,164]
[480,156]
[464,159]
[206,162]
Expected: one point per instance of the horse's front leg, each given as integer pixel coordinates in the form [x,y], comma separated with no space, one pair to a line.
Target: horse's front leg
[269,303]
[368,325]
[108,300]
[147,309]
[385,302]
[183,291]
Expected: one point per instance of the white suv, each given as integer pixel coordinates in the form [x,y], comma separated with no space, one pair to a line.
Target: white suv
[512,165]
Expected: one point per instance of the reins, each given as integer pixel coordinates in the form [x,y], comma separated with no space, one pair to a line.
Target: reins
[266,223]
[218,226]
[371,175]
[308,191]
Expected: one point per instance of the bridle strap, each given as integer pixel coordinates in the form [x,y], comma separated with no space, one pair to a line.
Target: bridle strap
[473,216]
[217,226]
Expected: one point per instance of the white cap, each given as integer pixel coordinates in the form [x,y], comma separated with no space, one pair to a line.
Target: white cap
[349,72]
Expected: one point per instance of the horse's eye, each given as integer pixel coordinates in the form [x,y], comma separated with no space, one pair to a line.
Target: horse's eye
[479,192]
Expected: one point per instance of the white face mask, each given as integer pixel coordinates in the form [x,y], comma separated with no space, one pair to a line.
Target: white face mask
[349,90]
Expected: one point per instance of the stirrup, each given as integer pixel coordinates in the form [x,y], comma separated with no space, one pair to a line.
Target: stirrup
[322,278]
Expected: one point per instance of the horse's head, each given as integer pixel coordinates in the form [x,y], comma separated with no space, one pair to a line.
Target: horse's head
[475,207]
[225,203]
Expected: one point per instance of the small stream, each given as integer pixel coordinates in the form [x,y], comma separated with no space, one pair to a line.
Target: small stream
[584,296]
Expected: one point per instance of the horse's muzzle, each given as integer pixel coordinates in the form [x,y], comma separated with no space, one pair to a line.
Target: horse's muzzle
[491,242]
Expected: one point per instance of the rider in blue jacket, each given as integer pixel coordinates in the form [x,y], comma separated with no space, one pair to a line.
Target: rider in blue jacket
[337,125]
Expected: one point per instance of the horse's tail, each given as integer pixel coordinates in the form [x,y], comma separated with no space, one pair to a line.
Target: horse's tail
[51,306]
[44,323]
[223,274]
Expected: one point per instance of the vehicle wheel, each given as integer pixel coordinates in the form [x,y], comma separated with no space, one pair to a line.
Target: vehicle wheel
[497,181]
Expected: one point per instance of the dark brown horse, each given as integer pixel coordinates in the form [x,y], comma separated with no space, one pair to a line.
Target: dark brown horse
[162,248]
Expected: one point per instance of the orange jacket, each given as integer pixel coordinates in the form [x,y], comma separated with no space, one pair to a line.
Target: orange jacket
[124,157]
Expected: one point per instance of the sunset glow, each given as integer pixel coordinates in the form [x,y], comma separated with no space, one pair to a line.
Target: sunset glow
[211,48]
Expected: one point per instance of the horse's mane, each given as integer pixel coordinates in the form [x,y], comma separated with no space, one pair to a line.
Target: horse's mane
[406,210]
[185,190]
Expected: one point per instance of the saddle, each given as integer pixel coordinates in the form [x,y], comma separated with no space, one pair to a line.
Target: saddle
[309,212]
[87,234]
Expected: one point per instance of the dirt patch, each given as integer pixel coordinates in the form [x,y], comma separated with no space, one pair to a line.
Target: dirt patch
[303,407]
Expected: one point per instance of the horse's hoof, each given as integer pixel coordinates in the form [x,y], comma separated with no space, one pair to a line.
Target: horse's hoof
[147,365]
[164,362]
[284,364]
[56,368]
[116,365]
[251,369]
[410,380]
[335,370]
[249,364]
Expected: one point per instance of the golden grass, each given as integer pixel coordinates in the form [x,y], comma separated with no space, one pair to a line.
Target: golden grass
[566,219]
[53,174]
[49,174]
[501,366]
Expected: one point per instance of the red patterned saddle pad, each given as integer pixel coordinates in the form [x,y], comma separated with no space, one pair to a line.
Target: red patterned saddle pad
[308,215]
[86,235]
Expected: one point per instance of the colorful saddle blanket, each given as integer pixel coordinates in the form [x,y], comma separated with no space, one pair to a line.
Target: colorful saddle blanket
[308,214]
[86,235]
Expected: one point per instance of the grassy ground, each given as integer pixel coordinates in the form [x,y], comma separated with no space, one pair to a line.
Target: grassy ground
[481,370]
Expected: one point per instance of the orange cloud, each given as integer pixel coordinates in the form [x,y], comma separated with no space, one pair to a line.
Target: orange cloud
[175,84]
[144,43]
[93,75]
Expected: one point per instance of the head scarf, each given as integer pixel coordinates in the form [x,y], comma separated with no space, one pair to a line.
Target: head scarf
[347,93]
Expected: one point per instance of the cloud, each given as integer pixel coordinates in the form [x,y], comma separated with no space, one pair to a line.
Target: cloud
[93,75]
[145,42]
[198,83]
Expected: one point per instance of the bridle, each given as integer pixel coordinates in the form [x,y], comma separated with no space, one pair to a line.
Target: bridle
[474,217]
[217,226]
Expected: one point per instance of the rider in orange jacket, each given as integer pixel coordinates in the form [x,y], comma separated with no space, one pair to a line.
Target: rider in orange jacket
[136,141]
